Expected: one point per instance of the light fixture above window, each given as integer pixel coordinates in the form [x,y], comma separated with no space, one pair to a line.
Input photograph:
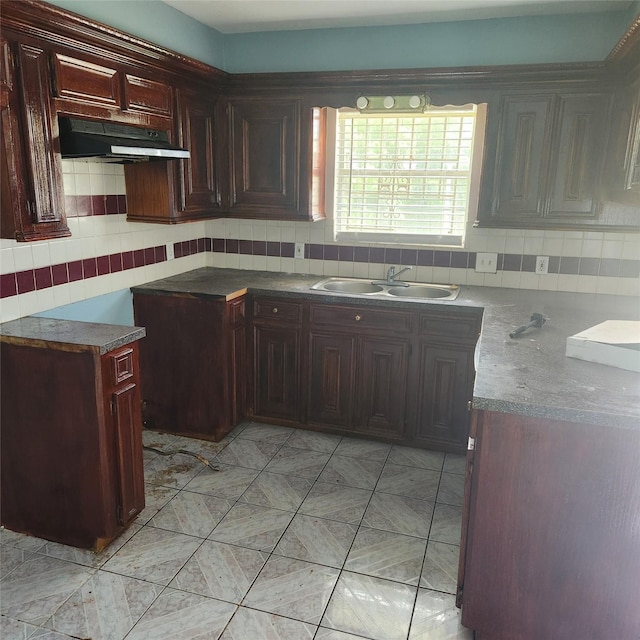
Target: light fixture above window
[393,104]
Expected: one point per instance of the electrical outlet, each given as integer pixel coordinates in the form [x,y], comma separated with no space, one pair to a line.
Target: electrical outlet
[170,254]
[299,250]
[542,264]
[486,262]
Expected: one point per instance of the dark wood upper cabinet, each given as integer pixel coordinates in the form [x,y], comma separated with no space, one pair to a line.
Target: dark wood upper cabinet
[522,143]
[198,177]
[147,96]
[271,159]
[180,190]
[576,170]
[32,197]
[544,160]
[79,79]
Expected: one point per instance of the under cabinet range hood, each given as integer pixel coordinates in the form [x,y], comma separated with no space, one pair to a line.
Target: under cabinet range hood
[115,142]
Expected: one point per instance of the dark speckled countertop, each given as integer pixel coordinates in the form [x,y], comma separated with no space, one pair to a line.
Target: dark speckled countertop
[528,375]
[69,334]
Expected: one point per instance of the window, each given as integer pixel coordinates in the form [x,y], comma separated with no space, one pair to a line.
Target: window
[404,178]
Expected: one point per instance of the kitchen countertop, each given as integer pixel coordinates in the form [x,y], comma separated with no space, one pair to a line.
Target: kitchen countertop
[529,375]
[69,334]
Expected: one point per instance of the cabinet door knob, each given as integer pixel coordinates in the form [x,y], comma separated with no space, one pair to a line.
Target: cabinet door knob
[275,309]
[358,318]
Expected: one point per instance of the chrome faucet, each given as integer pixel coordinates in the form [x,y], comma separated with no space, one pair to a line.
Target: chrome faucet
[392,276]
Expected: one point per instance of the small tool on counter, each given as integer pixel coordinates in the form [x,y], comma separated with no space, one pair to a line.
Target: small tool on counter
[537,320]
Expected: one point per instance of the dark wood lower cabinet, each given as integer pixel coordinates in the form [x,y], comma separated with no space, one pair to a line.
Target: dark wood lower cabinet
[193,363]
[553,531]
[72,467]
[331,379]
[276,361]
[382,387]
[445,386]
[399,375]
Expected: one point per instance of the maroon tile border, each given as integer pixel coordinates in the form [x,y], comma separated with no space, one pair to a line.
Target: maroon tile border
[100,205]
[12,284]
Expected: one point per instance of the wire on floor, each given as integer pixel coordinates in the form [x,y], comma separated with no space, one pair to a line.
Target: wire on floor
[186,453]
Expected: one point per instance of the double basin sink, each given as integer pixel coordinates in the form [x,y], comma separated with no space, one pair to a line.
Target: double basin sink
[382,289]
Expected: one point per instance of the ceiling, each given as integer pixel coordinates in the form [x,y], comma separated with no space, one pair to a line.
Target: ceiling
[245,16]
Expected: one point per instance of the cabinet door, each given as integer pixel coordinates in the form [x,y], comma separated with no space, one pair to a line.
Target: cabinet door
[382,372]
[84,81]
[130,472]
[445,386]
[123,389]
[277,380]
[578,154]
[198,195]
[522,151]
[265,158]
[331,379]
[142,95]
[32,199]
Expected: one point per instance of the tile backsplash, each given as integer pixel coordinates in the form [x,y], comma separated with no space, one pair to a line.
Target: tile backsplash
[106,253]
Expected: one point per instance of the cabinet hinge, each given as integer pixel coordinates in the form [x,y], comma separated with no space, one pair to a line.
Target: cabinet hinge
[119,513]
[114,407]
[471,444]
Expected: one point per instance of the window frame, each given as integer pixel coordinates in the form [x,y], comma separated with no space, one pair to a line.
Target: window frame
[432,240]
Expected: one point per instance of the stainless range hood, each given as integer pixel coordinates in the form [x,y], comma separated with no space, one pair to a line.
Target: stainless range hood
[115,142]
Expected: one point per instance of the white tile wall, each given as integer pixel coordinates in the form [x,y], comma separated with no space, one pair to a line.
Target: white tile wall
[99,235]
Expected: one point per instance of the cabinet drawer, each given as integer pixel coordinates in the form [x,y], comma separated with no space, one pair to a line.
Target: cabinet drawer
[122,367]
[280,310]
[362,318]
[466,328]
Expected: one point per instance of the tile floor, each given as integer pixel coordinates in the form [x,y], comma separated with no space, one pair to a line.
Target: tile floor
[299,535]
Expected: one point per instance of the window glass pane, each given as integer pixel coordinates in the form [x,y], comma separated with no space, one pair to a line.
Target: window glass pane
[404,176]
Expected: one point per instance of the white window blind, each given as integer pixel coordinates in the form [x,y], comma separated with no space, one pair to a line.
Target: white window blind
[403,178]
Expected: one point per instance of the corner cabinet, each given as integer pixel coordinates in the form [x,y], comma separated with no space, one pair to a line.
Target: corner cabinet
[72,465]
[32,198]
[544,159]
[550,530]
[273,145]
[192,361]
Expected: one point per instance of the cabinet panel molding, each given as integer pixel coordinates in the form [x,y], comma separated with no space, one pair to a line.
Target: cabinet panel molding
[78,79]
[147,96]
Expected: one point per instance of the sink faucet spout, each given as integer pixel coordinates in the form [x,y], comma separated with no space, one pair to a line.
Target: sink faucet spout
[392,277]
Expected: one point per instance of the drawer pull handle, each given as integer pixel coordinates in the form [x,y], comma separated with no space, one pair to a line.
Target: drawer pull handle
[275,309]
[358,318]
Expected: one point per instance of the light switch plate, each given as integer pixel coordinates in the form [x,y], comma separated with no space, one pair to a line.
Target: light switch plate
[486,262]
[170,254]
[299,250]
[542,264]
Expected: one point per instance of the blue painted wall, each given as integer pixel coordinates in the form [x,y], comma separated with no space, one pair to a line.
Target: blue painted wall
[156,22]
[111,308]
[537,39]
